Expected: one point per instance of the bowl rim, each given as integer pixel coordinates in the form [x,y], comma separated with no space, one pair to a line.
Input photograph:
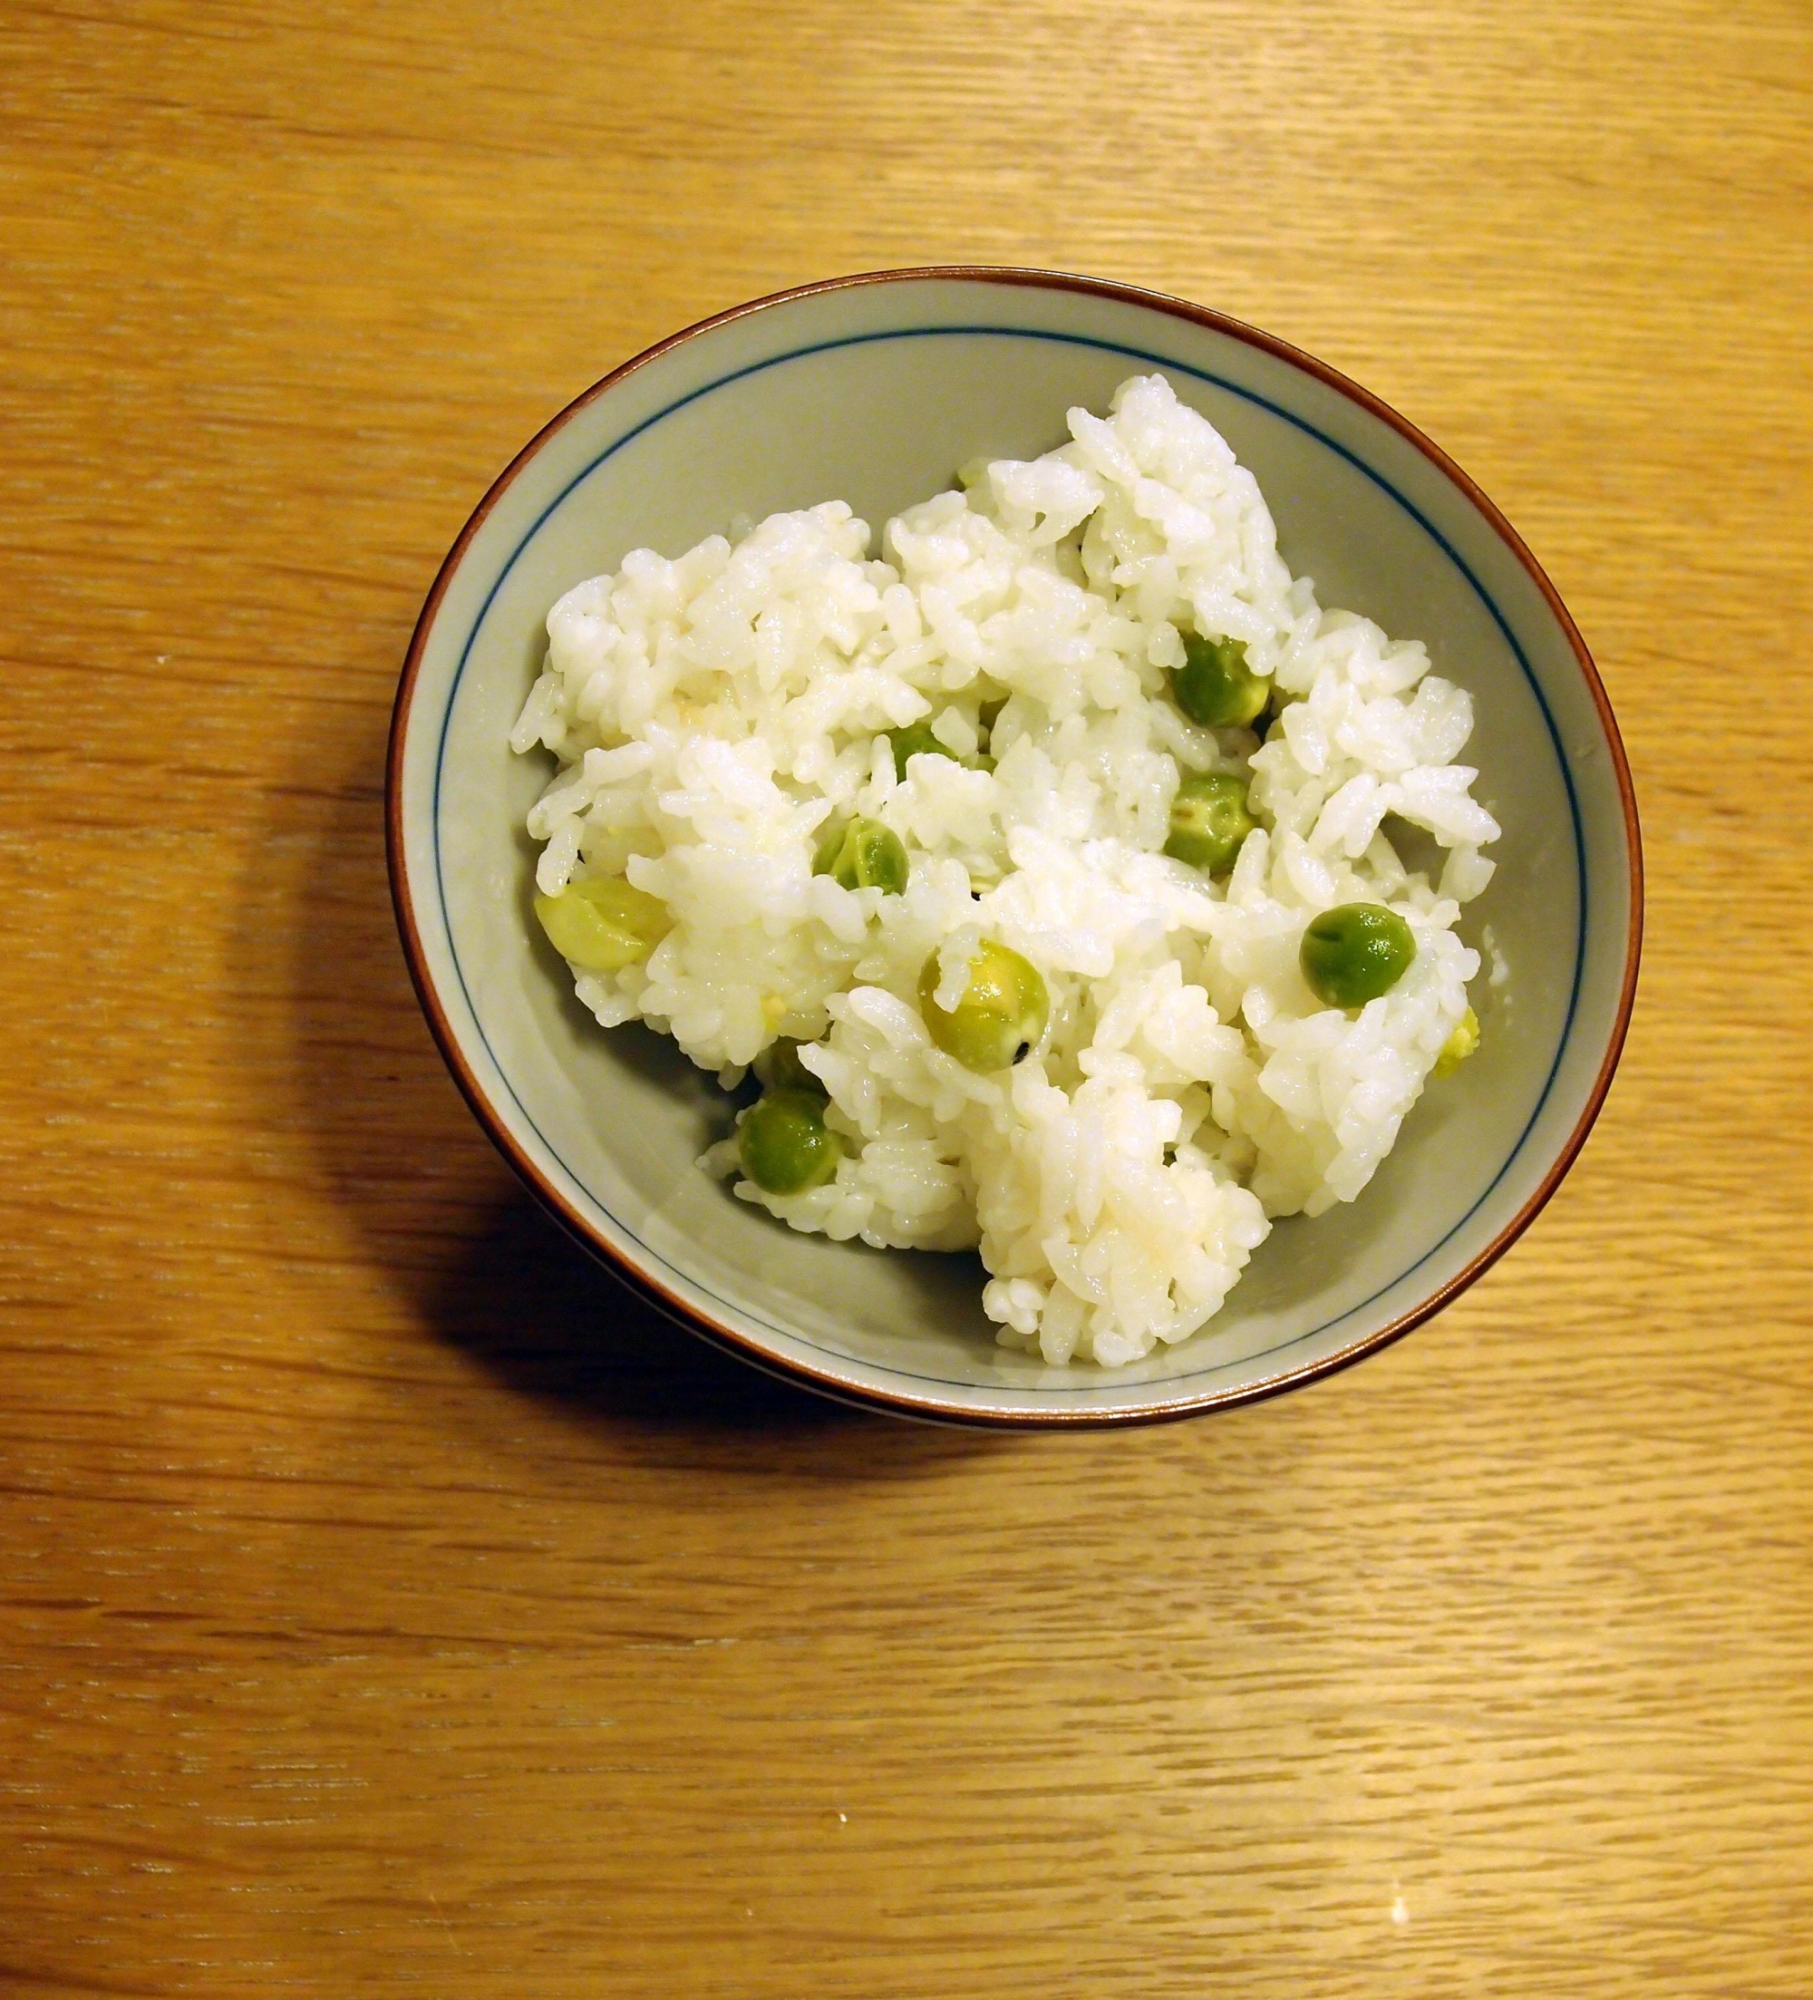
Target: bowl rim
[902,1402]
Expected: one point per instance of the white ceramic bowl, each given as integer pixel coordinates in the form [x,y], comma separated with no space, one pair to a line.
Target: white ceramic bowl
[874,390]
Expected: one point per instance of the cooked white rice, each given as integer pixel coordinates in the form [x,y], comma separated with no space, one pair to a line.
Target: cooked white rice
[711,713]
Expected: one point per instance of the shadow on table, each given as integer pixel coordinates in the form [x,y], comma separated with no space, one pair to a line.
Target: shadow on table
[549,1320]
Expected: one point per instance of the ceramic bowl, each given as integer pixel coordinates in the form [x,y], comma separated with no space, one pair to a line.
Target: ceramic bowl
[874,390]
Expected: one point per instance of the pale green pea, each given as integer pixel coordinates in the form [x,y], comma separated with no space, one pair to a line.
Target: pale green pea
[863,855]
[1459,1045]
[601,924]
[1001,1017]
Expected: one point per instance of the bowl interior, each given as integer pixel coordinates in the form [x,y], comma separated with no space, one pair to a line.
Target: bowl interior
[875,394]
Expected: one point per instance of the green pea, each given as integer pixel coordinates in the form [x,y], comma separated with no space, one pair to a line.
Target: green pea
[784,1143]
[916,740]
[830,844]
[783,1070]
[1001,1016]
[1355,952]
[1209,820]
[1459,1045]
[1215,686]
[863,855]
[601,924]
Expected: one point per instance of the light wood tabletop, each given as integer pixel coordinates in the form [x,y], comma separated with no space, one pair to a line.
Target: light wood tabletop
[388,1604]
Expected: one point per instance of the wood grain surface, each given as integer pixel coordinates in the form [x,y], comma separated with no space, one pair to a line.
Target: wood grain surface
[389,1605]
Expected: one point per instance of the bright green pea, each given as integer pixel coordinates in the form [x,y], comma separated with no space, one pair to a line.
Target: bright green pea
[916,740]
[601,924]
[1001,1016]
[783,1070]
[1355,952]
[785,1145]
[864,855]
[1209,820]
[1215,686]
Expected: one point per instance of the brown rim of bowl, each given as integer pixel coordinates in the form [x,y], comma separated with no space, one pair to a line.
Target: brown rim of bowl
[897,1402]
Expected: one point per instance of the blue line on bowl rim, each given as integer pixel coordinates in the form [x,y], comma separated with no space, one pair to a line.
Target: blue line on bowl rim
[1206,1376]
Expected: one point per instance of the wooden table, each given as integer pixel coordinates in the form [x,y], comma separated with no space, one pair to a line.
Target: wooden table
[389,1605]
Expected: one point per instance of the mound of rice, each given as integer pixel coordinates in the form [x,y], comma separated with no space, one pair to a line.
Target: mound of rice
[710,714]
